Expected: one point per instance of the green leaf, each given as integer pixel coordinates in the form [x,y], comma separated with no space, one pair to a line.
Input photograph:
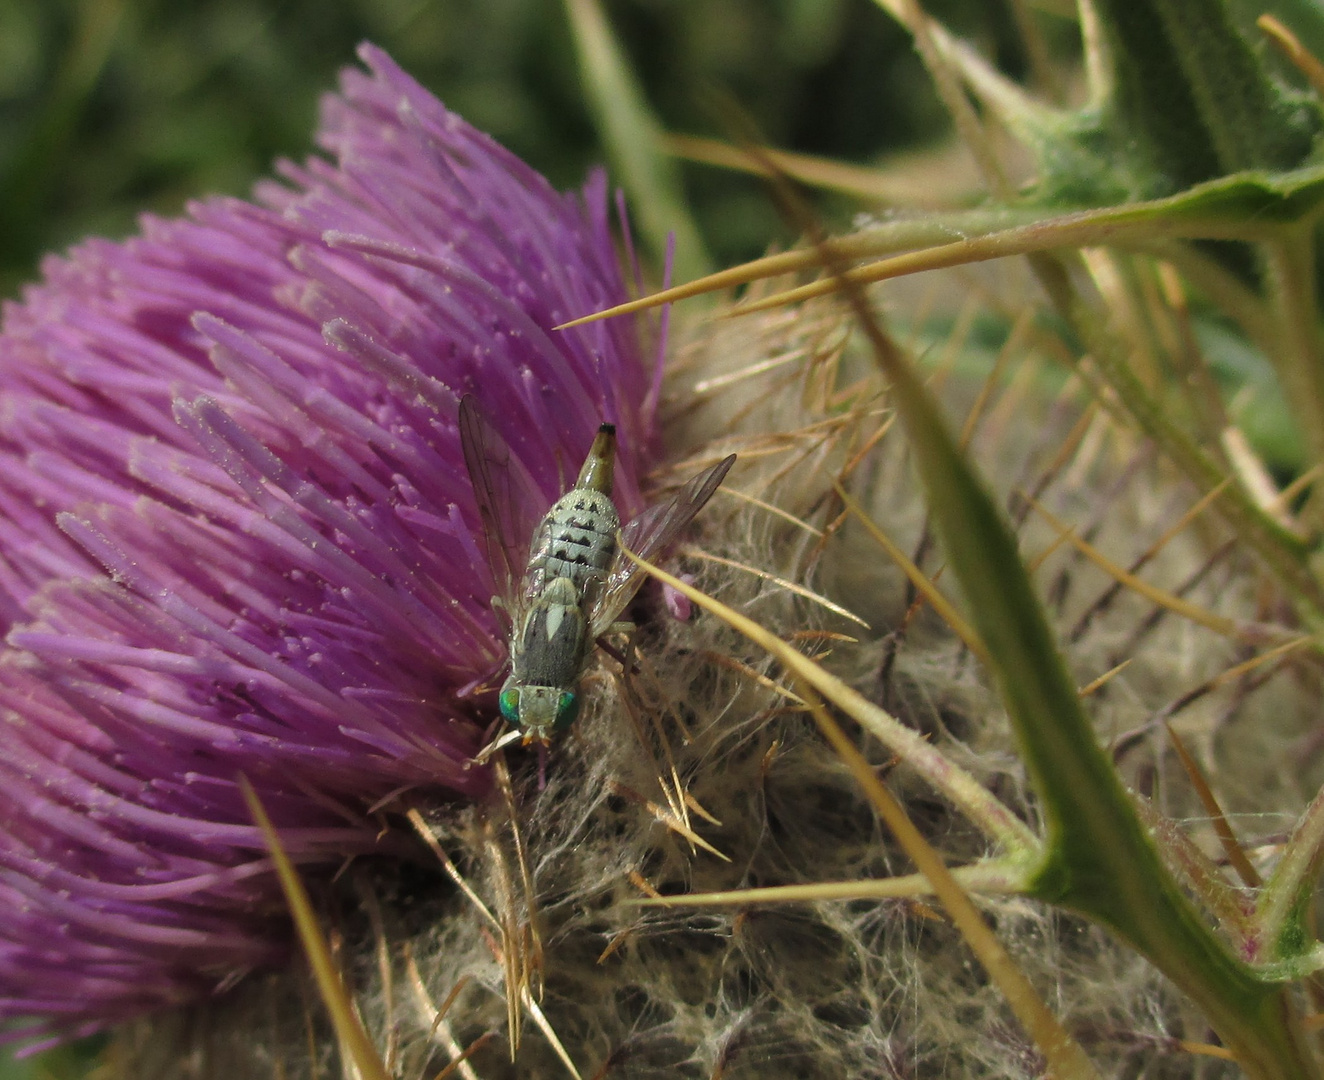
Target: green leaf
[1192,99]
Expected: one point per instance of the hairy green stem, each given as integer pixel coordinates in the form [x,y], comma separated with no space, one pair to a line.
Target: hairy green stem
[1290,281]
[1279,901]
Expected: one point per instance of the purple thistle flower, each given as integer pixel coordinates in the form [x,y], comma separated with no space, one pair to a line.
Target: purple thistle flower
[237,536]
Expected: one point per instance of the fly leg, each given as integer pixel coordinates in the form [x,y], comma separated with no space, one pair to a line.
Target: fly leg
[625,657]
[485,754]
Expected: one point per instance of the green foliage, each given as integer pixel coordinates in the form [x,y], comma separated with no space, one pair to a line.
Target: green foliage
[1192,100]
[69,1062]
[112,107]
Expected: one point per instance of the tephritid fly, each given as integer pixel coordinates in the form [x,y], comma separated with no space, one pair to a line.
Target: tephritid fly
[567,585]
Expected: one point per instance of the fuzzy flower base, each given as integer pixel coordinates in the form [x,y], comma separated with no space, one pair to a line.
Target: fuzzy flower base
[237,535]
[859,988]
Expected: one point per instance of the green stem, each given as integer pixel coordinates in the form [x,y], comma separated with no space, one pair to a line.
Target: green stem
[634,142]
[1290,280]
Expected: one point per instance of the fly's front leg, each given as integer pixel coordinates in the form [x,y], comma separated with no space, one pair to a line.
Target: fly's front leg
[496,745]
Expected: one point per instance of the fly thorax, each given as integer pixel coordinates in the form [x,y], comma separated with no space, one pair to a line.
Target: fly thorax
[577,539]
[553,640]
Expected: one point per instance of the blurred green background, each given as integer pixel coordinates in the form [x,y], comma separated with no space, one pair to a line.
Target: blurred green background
[109,108]
[112,107]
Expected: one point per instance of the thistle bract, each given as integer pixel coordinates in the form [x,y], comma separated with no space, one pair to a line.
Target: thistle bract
[237,536]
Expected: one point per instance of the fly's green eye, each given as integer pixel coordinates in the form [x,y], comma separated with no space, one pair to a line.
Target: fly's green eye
[567,708]
[510,704]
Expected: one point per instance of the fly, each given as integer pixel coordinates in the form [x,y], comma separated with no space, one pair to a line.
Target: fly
[564,586]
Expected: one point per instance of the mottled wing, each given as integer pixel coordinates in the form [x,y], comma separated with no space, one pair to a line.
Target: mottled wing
[508,503]
[650,536]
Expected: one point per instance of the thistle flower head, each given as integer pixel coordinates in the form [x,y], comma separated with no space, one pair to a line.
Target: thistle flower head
[237,536]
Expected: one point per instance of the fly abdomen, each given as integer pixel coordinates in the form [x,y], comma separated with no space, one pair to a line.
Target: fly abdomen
[577,538]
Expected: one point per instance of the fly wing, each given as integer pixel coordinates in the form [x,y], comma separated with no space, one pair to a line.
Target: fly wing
[650,536]
[507,501]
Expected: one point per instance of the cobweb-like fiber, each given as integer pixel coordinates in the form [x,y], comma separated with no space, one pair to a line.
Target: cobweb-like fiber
[861,988]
